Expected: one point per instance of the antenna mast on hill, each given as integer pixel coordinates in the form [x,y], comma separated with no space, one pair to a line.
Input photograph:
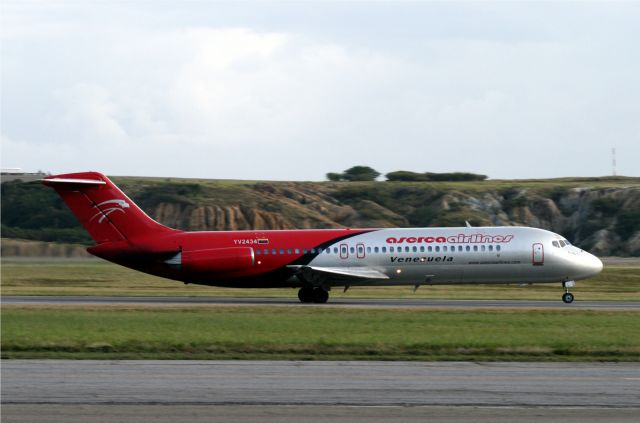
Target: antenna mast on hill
[613,160]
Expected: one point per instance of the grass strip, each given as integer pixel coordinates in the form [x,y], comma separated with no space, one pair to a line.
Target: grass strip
[307,333]
[616,282]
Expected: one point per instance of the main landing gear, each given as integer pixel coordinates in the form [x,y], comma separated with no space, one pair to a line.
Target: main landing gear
[313,295]
[567,297]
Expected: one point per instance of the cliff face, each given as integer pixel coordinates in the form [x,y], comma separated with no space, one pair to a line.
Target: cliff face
[600,215]
[605,221]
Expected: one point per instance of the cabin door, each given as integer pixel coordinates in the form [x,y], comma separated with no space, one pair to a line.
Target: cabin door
[538,254]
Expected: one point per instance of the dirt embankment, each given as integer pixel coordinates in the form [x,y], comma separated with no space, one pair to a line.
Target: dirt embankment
[23,248]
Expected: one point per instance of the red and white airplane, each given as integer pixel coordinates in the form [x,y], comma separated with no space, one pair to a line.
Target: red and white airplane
[317,260]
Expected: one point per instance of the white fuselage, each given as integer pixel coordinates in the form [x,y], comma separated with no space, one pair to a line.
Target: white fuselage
[460,255]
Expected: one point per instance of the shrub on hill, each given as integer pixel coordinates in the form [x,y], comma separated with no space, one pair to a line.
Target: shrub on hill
[355,173]
[407,176]
[33,211]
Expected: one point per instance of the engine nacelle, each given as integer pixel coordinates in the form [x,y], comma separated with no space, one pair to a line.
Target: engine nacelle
[217,260]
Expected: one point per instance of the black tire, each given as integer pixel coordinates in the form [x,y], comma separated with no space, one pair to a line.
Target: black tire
[305,295]
[567,297]
[320,296]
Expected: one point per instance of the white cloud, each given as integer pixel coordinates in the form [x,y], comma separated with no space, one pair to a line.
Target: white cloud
[117,93]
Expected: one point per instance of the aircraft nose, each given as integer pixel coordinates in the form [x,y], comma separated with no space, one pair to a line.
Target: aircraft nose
[583,265]
[593,265]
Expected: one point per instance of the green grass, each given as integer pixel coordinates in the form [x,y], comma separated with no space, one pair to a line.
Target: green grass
[616,282]
[318,333]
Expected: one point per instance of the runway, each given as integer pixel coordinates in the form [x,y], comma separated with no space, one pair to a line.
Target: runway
[338,302]
[348,391]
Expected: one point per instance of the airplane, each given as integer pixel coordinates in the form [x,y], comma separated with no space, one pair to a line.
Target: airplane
[317,260]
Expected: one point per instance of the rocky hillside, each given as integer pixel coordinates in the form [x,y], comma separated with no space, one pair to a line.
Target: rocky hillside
[601,215]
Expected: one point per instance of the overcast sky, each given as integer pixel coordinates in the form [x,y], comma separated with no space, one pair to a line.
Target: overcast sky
[284,90]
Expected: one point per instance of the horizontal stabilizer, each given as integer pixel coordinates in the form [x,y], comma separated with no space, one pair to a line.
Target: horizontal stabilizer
[72,181]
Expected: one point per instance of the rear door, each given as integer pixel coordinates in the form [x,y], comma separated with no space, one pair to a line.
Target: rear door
[344,251]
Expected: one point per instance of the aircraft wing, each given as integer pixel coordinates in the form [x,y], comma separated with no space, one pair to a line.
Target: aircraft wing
[311,273]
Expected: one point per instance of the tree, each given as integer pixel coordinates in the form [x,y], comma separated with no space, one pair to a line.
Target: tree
[335,177]
[360,173]
[405,175]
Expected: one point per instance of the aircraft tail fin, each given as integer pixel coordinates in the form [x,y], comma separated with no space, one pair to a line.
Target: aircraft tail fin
[104,211]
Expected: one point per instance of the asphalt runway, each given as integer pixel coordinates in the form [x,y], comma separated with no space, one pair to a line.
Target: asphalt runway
[270,391]
[338,302]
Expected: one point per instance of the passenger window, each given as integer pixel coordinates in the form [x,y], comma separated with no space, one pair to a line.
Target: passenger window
[258,252]
[313,251]
[289,251]
[438,249]
[490,247]
[376,249]
[391,249]
[369,250]
[297,251]
[335,250]
[304,251]
[266,251]
[352,250]
[281,251]
[406,249]
[274,251]
[468,248]
[430,248]
[422,248]
[497,248]
[444,248]
[459,247]
[415,249]
[384,249]
[483,248]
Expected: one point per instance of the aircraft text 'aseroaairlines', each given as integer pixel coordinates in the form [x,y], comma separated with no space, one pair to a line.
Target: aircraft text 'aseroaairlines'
[455,239]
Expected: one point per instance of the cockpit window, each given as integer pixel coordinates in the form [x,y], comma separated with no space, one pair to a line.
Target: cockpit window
[555,244]
[566,242]
[561,243]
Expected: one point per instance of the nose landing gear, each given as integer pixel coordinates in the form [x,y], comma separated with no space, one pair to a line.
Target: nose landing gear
[567,297]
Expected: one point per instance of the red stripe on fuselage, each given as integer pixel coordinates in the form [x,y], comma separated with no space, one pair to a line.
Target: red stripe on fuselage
[283,242]
[147,254]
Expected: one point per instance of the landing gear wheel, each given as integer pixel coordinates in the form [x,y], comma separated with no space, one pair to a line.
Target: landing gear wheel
[306,295]
[567,297]
[320,296]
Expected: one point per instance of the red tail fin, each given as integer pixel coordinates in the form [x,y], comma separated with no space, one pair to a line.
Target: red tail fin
[104,211]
